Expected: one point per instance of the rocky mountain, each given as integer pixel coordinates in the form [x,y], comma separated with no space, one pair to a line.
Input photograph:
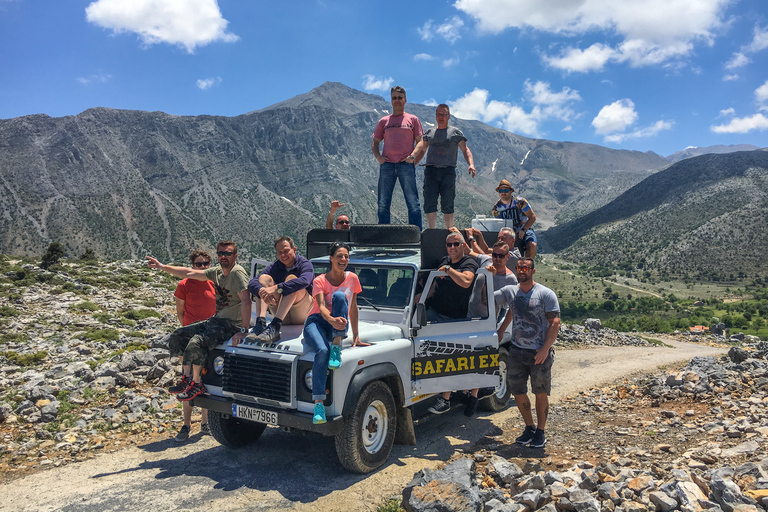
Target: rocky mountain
[717,149]
[129,183]
[703,216]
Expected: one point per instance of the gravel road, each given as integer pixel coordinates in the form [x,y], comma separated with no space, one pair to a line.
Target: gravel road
[299,471]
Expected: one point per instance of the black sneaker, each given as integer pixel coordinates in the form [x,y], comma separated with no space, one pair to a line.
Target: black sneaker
[528,434]
[258,329]
[471,407]
[183,434]
[197,388]
[538,439]
[441,406]
[181,386]
[270,335]
[205,429]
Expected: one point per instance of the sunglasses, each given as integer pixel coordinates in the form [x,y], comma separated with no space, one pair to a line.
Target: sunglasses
[398,97]
[498,255]
[202,264]
[452,244]
[342,222]
[504,190]
[523,268]
[225,253]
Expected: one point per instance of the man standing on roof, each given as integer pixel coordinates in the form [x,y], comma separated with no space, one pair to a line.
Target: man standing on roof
[520,213]
[443,143]
[400,131]
[285,288]
[342,221]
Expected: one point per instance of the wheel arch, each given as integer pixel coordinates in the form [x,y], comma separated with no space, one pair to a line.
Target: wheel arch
[382,371]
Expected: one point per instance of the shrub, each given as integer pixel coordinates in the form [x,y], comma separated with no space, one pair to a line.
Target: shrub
[140,314]
[19,337]
[24,359]
[102,335]
[84,306]
[88,256]
[52,256]
[6,311]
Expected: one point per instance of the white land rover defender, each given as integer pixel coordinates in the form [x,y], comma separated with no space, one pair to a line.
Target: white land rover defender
[370,397]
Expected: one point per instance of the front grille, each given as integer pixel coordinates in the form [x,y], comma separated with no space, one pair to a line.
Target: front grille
[259,377]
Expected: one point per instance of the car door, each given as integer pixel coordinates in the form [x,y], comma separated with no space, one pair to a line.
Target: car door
[457,354]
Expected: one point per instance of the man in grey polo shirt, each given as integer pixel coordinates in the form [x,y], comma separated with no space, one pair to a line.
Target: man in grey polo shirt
[443,143]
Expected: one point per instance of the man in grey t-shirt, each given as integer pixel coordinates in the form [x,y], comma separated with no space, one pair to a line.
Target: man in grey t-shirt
[443,143]
[535,313]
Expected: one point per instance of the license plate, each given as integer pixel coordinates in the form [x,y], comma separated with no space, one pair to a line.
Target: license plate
[254,414]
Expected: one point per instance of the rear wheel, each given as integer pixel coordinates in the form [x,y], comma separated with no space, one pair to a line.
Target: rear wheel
[366,440]
[233,432]
[500,397]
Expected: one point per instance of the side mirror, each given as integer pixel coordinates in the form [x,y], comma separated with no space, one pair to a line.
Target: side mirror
[421,314]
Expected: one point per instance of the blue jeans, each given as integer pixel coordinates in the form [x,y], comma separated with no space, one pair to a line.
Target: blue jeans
[318,334]
[389,173]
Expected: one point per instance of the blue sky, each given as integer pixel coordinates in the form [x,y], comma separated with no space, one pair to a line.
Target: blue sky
[656,75]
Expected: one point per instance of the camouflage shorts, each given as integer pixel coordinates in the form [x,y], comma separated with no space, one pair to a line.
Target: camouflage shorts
[194,341]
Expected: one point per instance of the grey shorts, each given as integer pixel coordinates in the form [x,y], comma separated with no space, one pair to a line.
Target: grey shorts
[521,366]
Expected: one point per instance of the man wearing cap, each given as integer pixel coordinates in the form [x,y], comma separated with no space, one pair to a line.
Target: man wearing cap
[342,221]
[443,143]
[520,213]
[400,131]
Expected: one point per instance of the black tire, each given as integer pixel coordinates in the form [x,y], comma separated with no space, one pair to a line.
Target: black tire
[500,398]
[233,432]
[383,235]
[366,440]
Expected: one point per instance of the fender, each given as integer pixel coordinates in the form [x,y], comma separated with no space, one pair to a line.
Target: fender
[382,371]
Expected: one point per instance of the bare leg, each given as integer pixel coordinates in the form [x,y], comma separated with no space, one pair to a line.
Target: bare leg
[530,250]
[448,219]
[186,413]
[431,219]
[197,373]
[542,410]
[524,406]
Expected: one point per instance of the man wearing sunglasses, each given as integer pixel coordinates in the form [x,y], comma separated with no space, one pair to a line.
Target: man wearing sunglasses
[399,131]
[506,235]
[520,213]
[342,221]
[535,316]
[442,144]
[285,288]
[233,313]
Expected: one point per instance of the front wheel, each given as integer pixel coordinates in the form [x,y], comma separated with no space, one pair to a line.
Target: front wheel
[233,432]
[500,397]
[368,434]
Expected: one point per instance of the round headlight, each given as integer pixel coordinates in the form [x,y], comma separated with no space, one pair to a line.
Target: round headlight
[218,365]
[308,380]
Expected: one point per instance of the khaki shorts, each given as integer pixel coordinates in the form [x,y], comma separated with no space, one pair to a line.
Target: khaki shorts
[298,312]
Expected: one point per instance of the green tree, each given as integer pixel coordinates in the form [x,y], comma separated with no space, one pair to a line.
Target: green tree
[52,256]
[89,255]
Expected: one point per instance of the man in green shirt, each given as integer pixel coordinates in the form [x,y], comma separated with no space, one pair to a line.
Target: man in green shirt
[233,314]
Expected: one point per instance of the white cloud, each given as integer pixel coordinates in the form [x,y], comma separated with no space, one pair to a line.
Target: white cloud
[649,131]
[431,102]
[450,30]
[616,117]
[730,78]
[727,112]
[372,83]
[653,31]
[94,79]
[738,60]
[759,41]
[761,94]
[207,83]
[742,125]
[449,63]
[547,105]
[422,56]
[188,24]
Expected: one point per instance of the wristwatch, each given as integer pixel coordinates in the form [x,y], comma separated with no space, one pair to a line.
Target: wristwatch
[471,239]
[243,330]
[279,290]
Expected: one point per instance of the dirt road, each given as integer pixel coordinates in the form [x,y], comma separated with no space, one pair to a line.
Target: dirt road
[298,472]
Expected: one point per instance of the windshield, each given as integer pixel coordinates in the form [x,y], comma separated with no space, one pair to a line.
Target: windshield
[382,286]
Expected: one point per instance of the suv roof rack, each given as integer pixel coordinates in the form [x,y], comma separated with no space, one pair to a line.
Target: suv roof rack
[390,236]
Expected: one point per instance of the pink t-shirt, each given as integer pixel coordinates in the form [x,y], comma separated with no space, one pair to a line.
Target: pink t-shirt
[399,134]
[350,286]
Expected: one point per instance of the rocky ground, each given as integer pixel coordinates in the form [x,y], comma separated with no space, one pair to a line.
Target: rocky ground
[689,439]
[84,366]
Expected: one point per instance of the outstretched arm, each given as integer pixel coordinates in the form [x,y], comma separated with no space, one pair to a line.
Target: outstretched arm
[335,205]
[182,272]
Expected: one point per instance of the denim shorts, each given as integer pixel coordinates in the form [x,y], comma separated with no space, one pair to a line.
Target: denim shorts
[521,366]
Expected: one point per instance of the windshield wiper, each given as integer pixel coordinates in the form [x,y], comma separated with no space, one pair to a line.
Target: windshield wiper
[368,302]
